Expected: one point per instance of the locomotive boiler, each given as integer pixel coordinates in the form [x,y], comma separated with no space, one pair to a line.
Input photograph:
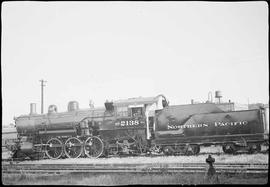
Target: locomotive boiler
[137,126]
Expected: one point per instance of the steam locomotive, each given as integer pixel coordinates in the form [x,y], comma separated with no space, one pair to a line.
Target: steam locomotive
[137,126]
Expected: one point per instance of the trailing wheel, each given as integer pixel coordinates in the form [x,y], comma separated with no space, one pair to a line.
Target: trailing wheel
[73,147]
[93,147]
[54,148]
[168,150]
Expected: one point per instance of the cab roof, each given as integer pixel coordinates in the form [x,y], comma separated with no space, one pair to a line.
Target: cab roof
[135,101]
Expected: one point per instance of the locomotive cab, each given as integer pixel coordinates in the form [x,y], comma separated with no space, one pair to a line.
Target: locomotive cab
[141,107]
[131,127]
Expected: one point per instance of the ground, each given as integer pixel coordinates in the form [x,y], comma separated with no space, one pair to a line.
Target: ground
[124,179]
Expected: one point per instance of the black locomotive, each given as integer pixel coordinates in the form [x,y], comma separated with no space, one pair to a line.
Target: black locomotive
[137,126]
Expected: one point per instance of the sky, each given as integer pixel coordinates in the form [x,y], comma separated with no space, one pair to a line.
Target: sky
[119,50]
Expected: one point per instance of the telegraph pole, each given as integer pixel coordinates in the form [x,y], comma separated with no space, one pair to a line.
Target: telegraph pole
[42,85]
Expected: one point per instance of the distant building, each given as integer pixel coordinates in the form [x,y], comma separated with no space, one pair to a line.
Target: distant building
[230,106]
[256,106]
[253,106]
[226,107]
[239,106]
[8,133]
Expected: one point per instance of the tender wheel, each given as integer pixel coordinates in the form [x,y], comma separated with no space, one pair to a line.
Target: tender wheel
[73,147]
[229,148]
[93,147]
[54,148]
[192,150]
[254,148]
[196,149]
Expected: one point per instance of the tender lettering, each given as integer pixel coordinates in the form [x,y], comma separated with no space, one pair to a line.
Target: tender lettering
[201,125]
[234,123]
[170,126]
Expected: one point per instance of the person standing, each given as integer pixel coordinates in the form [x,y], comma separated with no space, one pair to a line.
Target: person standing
[211,174]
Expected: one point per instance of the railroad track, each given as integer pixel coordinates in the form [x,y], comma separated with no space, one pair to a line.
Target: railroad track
[143,155]
[230,168]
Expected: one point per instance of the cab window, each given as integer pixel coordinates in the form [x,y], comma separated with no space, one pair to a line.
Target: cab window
[136,111]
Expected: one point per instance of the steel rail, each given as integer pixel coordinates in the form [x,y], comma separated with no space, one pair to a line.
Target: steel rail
[134,168]
[187,164]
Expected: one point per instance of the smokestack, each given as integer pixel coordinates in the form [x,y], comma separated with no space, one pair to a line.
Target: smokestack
[33,108]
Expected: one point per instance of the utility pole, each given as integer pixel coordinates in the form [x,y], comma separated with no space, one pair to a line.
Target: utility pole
[42,85]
